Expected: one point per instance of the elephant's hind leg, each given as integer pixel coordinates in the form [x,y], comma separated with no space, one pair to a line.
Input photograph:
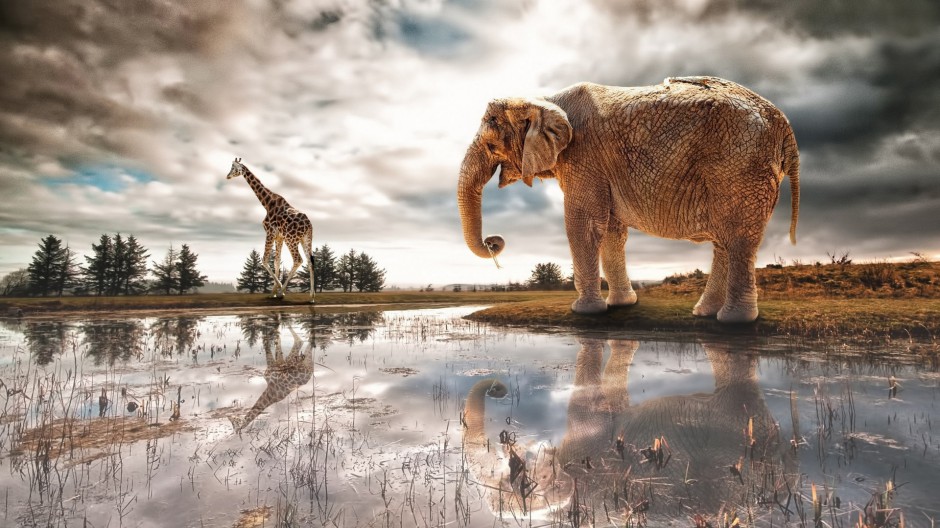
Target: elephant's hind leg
[613,260]
[741,300]
[717,286]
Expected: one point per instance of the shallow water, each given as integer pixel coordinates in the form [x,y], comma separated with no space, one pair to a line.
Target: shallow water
[371,419]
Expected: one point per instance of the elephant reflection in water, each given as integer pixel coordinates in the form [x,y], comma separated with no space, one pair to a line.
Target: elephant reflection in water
[283,374]
[670,459]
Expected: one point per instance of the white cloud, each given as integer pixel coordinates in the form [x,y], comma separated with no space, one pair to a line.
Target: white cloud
[359,114]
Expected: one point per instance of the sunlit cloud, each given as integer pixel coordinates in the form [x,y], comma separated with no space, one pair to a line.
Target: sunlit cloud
[120,119]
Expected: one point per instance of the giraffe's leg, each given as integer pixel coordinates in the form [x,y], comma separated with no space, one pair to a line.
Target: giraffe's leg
[265,262]
[278,285]
[295,255]
[307,243]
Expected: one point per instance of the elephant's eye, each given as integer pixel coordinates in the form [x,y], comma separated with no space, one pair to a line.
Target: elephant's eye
[491,147]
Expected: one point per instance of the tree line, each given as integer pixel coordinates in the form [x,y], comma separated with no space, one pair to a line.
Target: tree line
[350,271]
[117,265]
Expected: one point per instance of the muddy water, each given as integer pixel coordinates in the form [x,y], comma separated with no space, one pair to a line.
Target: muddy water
[420,418]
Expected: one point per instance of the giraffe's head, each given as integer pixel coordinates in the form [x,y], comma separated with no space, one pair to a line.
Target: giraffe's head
[237,169]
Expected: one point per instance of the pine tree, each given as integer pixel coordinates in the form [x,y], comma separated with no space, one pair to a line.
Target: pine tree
[368,277]
[167,273]
[134,271]
[116,264]
[67,276]
[95,272]
[253,277]
[298,282]
[346,271]
[324,268]
[46,266]
[546,276]
[302,279]
[189,276]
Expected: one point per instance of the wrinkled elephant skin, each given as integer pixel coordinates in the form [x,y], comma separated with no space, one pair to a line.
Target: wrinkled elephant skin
[693,158]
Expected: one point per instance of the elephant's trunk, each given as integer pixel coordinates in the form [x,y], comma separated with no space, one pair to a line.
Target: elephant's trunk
[475,171]
[475,409]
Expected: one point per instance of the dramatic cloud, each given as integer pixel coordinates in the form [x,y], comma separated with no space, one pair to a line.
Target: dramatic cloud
[119,116]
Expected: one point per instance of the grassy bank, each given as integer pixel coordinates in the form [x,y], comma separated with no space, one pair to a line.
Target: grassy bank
[873,303]
[851,320]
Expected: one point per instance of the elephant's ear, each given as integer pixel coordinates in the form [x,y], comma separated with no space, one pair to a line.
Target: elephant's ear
[549,133]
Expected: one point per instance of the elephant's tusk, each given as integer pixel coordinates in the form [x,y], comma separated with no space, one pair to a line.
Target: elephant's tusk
[492,256]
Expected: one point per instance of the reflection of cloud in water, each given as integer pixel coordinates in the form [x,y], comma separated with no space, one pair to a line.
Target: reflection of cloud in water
[398,426]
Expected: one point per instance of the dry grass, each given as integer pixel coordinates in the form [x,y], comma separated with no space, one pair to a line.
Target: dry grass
[872,280]
[875,304]
[40,306]
[93,438]
[254,518]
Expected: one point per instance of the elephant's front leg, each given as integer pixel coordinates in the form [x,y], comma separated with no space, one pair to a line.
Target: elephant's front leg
[614,262]
[585,233]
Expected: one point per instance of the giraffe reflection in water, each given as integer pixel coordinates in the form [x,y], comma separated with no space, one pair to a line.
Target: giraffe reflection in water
[283,375]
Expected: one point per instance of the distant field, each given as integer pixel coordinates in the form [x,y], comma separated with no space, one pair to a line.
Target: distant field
[872,303]
[33,306]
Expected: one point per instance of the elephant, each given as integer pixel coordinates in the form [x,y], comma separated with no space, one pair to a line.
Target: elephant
[693,158]
[685,456]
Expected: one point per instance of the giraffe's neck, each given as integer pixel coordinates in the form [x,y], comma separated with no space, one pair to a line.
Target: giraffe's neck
[263,194]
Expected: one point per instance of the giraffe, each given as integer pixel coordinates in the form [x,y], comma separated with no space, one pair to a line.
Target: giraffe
[283,375]
[282,224]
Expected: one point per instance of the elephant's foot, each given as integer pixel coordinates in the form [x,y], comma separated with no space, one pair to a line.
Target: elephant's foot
[590,305]
[707,307]
[621,298]
[744,314]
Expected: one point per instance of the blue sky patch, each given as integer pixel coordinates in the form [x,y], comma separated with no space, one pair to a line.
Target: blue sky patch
[108,178]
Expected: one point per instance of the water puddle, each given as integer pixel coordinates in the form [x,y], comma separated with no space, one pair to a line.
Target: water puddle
[421,418]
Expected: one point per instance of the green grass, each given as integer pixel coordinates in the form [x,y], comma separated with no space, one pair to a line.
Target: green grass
[37,306]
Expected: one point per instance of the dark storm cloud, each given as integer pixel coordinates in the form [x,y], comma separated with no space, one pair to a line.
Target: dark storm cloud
[829,19]
[125,28]
[891,85]
[61,61]
[893,89]
[859,81]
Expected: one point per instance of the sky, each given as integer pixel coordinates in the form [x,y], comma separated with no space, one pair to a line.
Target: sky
[125,117]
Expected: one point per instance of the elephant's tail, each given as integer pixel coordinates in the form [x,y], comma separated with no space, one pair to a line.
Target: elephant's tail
[791,167]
